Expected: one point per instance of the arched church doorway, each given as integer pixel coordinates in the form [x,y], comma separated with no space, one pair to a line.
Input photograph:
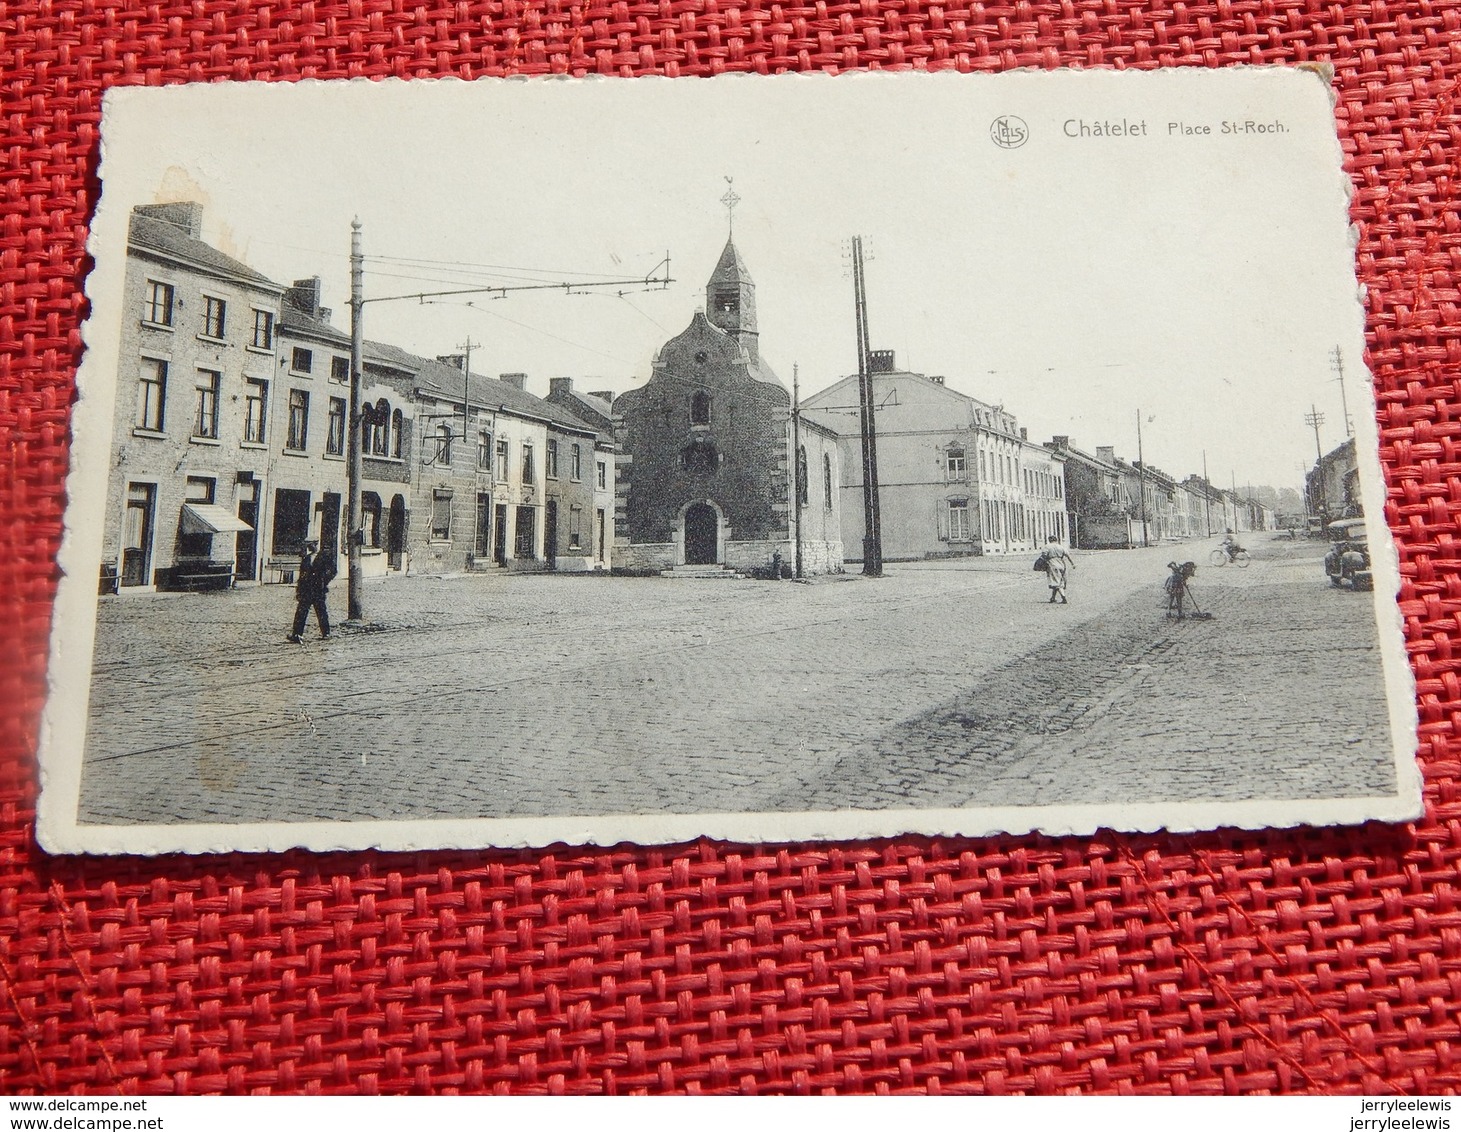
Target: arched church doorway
[702,530]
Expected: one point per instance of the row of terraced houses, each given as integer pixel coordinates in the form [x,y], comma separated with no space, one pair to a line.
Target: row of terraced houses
[230,442]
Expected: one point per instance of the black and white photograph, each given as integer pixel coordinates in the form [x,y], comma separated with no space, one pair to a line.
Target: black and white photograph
[518,462]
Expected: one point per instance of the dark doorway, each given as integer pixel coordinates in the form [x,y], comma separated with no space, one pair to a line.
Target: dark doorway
[396,534]
[137,534]
[484,526]
[702,527]
[246,544]
[550,532]
[330,522]
[499,536]
[524,534]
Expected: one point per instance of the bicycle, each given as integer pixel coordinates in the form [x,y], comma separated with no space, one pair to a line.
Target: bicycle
[1238,558]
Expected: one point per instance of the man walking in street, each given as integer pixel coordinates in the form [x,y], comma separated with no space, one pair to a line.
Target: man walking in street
[1058,563]
[316,571]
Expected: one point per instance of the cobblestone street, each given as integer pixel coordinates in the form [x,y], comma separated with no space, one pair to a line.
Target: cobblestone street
[942,684]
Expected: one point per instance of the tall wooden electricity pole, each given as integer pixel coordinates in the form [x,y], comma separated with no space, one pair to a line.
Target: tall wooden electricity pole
[801,473]
[355,605]
[872,539]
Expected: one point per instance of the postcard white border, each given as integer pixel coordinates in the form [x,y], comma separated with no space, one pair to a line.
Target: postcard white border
[63,729]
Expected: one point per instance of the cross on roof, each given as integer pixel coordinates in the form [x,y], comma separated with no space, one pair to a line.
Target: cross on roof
[730,200]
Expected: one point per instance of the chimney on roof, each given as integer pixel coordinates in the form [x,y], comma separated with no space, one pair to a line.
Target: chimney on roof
[186,215]
[882,361]
[456,361]
[1060,441]
[1024,434]
[1107,453]
[304,295]
[937,379]
[516,380]
[606,395]
[557,385]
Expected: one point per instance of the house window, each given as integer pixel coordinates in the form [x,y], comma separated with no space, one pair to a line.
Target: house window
[301,360]
[157,306]
[256,405]
[827,481]
[484,450]
[263,330]
[380,429]
[291,520]
[205,420]
[398,426]
[340,369]
[214,317]
[954,463]
[550,462]
[602,474]
[575,528]
[801,475]
[958,520]
[335,428]
[441,516]
[577,470]
[298,420]
[370,510]
[527,463]
[443,443]
[700,409]
[502,460]
[151,394]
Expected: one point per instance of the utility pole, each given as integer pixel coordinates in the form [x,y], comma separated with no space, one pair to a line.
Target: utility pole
[1338,366]
[1141,479]
[1313,418]
[355,604]
[796,457]
[466,349]
[354,472]
[1206,493]
[872,539]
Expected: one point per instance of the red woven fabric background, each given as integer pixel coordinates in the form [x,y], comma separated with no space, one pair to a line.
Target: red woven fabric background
[1286,961]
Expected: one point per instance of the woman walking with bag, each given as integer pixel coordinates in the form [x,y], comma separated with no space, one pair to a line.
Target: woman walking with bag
[1058,563]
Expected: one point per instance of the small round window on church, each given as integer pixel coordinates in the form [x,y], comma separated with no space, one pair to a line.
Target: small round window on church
[701,357]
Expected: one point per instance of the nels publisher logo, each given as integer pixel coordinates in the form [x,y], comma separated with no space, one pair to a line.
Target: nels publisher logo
[1009,132]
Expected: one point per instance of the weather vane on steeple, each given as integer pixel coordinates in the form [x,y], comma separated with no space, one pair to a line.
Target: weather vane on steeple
[730,200]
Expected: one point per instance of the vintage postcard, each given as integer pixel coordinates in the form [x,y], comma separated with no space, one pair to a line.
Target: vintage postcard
[520,462]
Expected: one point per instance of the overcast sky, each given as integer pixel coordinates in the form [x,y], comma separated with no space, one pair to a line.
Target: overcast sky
[1202,281]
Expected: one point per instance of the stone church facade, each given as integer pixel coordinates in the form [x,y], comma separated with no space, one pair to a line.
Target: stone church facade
[707,475]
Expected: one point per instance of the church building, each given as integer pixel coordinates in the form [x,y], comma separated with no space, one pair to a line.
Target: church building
[712,470]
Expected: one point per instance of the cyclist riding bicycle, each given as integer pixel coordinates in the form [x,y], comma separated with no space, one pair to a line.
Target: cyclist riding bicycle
[1230,545]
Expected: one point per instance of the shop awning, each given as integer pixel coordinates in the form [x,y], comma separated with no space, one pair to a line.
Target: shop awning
[211,519]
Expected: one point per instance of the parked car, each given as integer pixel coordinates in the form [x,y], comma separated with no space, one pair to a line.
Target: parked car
[1348,562]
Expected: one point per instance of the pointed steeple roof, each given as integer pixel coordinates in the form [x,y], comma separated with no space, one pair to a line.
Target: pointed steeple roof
[730,268]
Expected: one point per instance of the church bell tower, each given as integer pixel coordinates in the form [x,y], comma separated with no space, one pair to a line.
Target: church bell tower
[730,299]
[730,296]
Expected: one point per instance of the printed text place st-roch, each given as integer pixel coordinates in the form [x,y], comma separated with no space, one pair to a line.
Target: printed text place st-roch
[1125,128]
